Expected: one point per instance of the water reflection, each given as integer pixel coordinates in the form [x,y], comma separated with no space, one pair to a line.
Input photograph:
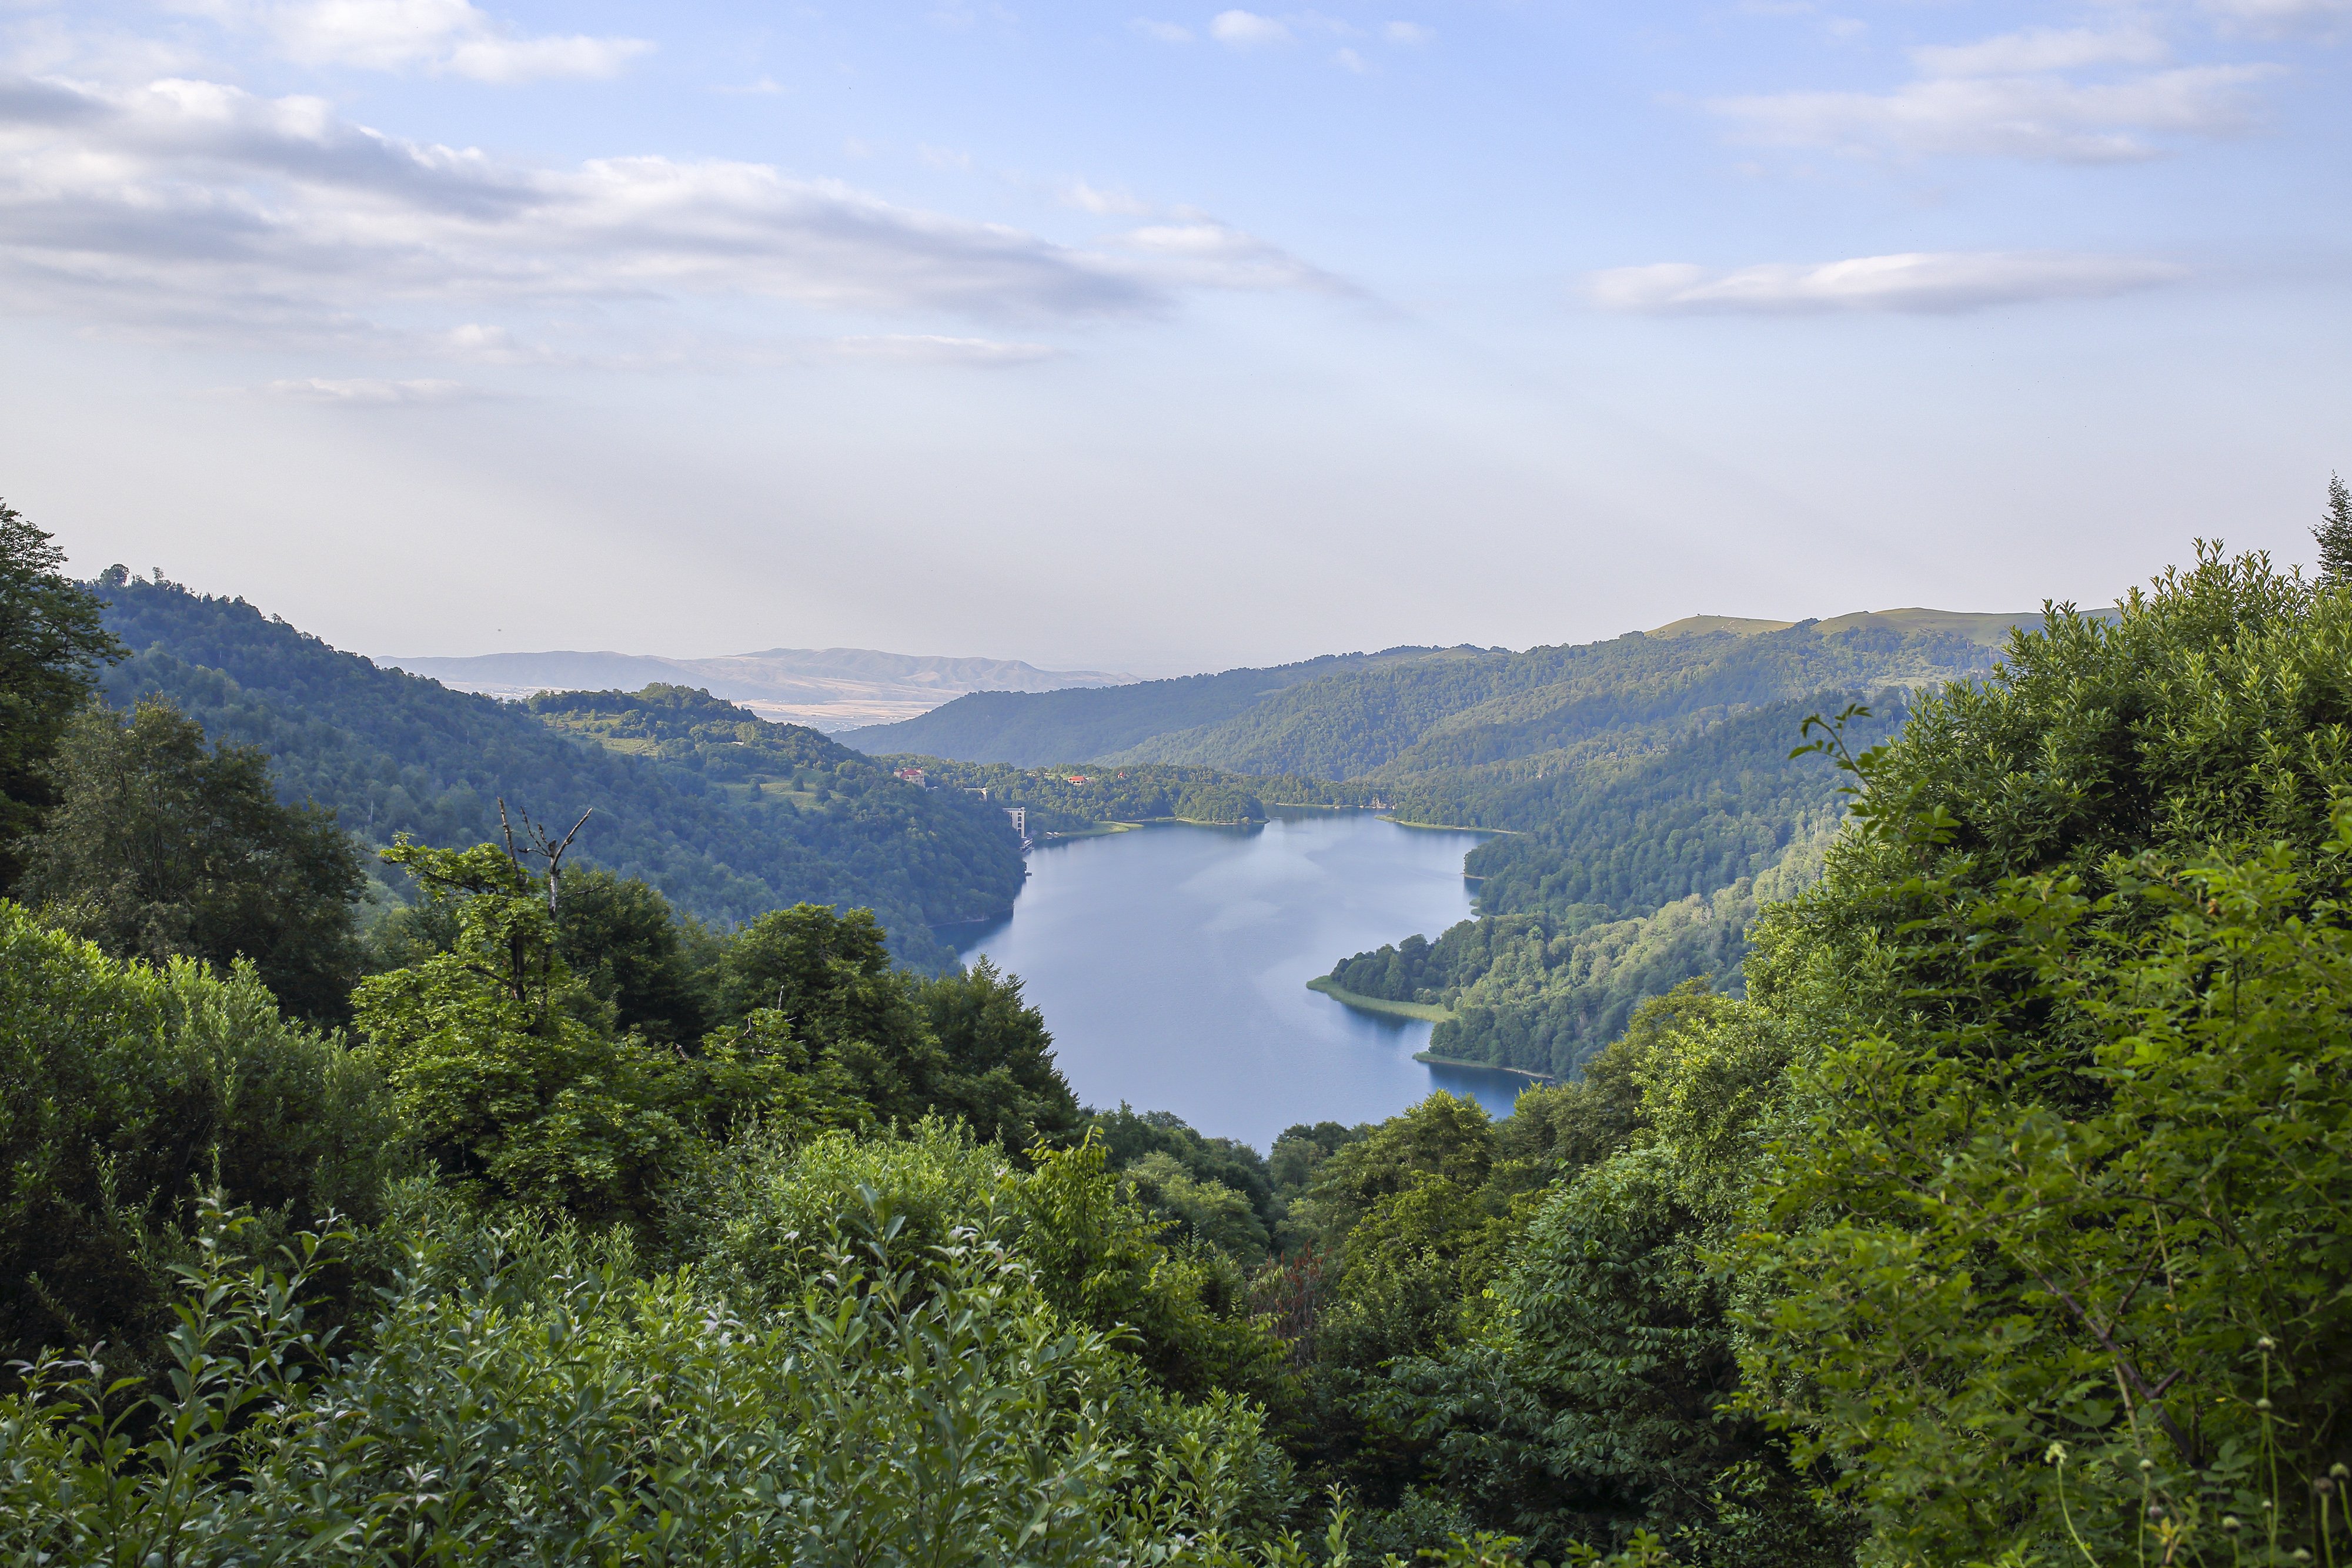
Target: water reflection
[1172,963]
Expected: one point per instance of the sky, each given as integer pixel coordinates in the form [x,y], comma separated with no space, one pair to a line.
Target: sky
[1160,338]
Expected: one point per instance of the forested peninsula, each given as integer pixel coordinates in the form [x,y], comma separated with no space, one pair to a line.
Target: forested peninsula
[437,1191]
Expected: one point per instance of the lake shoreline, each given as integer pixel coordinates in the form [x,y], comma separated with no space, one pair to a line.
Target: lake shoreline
[1421,1013]
[1171,967]
[1431,1058]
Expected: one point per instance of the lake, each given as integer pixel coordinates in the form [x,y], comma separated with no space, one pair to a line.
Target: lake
[1171,964]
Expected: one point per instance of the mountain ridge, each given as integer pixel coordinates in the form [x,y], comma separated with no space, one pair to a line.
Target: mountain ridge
[391,751]
[828,689]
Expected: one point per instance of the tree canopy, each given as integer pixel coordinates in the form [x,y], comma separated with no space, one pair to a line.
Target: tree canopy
[52,641]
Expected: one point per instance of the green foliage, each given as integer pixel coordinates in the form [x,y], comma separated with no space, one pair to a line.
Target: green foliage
[513,1085]
[2060,1164]
[649,963]
[1551,994]
[523,1395]
[2335,534]
[1588,1405]
[756,1218]
[1100,1261]
[51,642]
[2121,1235]
[131,1087]
[1400,1231]
[159,848]
[998,1075]
[1075,797]
[1207,1211]
[963,1044]
[1130,1138]
[391,753]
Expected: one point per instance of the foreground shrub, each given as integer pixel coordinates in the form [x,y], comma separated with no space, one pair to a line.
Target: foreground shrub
[131,1087]
[524,1397]
[757,1222]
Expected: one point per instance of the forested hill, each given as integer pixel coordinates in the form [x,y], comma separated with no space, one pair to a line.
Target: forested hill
[396,753]
[1409,721]
[1031,729]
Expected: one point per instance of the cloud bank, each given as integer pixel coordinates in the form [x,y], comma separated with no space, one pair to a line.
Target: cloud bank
[2012,95]
[1246,29]
[1919,283]
[199,206]
[367,391]
[449,37]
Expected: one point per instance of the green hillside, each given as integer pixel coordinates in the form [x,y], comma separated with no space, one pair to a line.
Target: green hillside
[1640,872]
[1405,721]
[1033,729]
[395,753]
[1989,630]
[1078,797]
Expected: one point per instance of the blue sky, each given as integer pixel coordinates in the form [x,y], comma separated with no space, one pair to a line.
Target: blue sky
[1164,338]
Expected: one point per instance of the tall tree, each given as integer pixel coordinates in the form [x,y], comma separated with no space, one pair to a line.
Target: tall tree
[2335,534]
[161,847]
[50,645]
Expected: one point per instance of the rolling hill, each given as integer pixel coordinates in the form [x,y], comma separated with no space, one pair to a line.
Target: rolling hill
[1033,729]
[393,752]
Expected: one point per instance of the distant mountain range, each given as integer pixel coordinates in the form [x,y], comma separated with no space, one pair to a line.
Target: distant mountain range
[828,689]
[1406,710]
[1987,630]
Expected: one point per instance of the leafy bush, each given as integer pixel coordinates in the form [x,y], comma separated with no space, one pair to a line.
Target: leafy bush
[160,847]
[523,1396]
[132,1088]
[756,1221]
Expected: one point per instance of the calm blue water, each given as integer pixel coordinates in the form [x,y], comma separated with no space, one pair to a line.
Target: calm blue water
[1172,966]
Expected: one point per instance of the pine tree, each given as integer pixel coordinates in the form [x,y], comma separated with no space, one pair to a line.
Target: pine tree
[2335,535]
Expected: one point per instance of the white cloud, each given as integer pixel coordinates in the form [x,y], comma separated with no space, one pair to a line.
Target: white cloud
[452,38]
[1411,33]
[1163,32]
[1246,29]
[193,205]
[365,390]
[923,348]
[2038,50]
[949,159]
[2274,17]
[2019,116]
[1202,251]
[196,209]
[1923,282]
[764,87]
[1116,202]
[1350,60]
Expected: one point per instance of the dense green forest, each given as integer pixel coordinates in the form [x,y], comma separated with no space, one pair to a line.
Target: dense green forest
[1074,797]
[2000,1220]
[1031,729]
[391,753]
[1640,871]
